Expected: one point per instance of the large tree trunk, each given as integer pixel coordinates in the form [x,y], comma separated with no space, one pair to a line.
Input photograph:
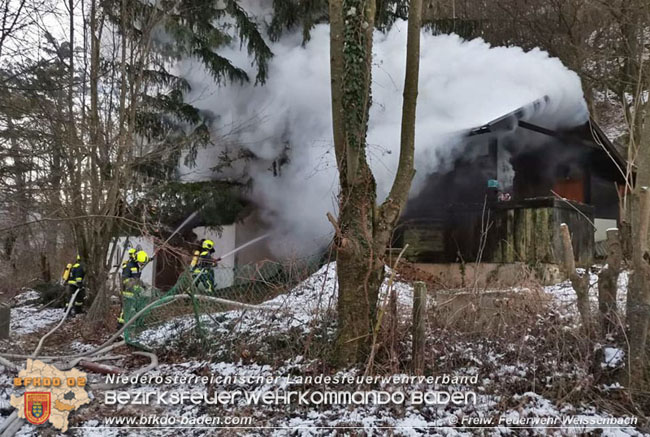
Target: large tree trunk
[359,271]
[364,229]
[100,299]
[638,301]
[638,298]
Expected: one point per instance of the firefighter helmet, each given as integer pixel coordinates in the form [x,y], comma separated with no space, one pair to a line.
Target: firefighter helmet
[208,244]
[142,257]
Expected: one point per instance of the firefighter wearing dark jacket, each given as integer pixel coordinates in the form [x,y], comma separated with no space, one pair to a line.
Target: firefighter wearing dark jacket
[202,267]
[131,253]
[131,284]
[73,278]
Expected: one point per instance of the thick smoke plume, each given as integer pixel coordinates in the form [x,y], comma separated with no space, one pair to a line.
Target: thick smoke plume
[287,125]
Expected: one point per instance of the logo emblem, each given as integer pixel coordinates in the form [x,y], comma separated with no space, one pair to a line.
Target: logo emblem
[37,407]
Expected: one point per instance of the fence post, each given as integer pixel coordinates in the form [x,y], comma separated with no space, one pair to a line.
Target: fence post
[419,326]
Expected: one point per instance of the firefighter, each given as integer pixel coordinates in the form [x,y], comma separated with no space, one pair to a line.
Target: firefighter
[73,277]
[202,267]
[131,257]
[131,285]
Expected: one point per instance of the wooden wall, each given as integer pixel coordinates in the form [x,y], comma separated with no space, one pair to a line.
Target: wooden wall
[517,231]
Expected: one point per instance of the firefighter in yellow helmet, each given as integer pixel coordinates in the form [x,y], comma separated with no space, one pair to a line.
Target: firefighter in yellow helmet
[73,278]
[202,267]
[132,286]
[132,251]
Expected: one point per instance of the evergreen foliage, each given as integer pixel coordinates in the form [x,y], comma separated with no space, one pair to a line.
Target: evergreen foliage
[291,14]
[186,29]
[219,203]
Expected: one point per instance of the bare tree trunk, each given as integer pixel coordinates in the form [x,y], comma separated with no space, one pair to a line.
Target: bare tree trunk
[608,283]
[363,229]
[360,271]
[100,300]
[419,326]
[391,209]
[638,297]
[580,283]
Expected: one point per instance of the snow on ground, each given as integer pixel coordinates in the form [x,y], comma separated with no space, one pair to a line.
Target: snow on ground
[27,316]
[405,419]
[77,346]
[612,358]
[307,304]
[501,369]
[565,295]
[5,385]
[27,296]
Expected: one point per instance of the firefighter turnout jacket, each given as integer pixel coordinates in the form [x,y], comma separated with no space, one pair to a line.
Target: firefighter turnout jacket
[131,288]
[75,275]
[130,269]
[202,260]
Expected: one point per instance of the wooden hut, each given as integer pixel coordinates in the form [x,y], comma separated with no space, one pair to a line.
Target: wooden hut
[510,185]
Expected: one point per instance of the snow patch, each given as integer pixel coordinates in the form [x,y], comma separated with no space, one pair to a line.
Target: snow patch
[612,358]
[26,297]
[301,309]
[565,296]
[29,319]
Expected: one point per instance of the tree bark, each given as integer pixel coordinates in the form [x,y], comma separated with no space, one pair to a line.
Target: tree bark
[360,272]
[580,283]
[638,297]
[608,283]
[419,327]
[363,229]
[391,208]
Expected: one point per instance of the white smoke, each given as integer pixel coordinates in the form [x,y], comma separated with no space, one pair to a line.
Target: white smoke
[463,84]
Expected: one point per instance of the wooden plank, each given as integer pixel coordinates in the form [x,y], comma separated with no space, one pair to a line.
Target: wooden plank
[510,236]
[529,256]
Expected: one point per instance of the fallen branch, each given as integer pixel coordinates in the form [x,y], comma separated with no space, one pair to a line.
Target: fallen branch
[70,364]
[152,365]
[161,302]
[4,425]
[8,364]
[104,369]
[12,425]
[109,348]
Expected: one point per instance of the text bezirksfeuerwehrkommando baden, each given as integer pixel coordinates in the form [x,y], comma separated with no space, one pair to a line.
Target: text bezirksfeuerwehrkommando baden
[287,397]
